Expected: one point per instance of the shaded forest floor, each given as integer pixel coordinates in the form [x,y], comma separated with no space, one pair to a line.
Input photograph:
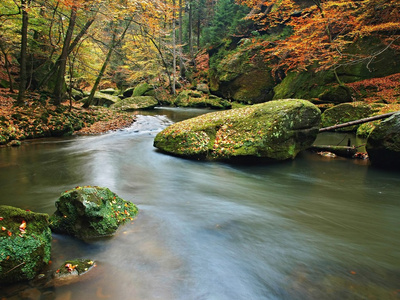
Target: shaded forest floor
[39,118]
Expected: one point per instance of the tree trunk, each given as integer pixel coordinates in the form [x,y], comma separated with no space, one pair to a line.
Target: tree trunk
[173,48]
[113,45]
[180,39]
[24,56]
[191,30]
[60,81]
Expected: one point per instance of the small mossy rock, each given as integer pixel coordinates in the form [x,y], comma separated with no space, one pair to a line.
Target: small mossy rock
[109,91]
[25,244]
[71,271]
[189,98]
[383,144]
[137,102]
[77,95]
[346,112]
[101,99]
[275,130]
[203,87]
[90,212]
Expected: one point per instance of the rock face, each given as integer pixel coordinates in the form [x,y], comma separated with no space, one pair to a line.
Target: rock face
[136,102]
[383,144]
[25,244]
[90,212]
[235,75]
[276,130]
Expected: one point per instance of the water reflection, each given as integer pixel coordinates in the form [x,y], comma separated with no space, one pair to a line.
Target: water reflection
[311,228]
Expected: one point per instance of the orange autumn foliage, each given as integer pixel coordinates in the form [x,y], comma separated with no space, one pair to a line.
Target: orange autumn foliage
[322,30]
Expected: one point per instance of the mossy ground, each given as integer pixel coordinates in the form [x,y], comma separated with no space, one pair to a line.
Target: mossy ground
[90,212]
[38,118]
[25,244]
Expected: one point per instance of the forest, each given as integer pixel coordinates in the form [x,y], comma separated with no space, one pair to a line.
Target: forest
[199,149]
[243,52]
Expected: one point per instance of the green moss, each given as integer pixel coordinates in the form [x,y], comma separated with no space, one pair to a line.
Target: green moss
[23,253]
[264,130]
[88,212]
[347,112]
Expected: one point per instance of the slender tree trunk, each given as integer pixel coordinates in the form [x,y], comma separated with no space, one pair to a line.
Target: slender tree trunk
[190,29]
[180,39]
[60,81]
[113,45]
[24,55]
[173,48]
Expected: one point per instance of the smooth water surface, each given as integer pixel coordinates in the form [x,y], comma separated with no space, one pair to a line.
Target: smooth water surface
[311,228]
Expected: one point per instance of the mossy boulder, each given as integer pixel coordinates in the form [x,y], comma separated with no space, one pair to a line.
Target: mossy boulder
[101,99]
[383,144]
[136,102]
[275,130]
[25,244]
[143,89]
[346,112]
[189,98]
[90,212]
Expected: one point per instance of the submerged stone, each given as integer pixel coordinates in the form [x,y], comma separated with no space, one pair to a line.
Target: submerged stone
[71,271]
[276,130]
[25,244]
[90,212]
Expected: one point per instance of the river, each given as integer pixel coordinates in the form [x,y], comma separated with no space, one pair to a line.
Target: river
[309,228]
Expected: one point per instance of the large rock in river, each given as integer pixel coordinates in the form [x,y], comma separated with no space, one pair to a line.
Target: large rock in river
[383,144]
[90,212]
[25,244]
[276,130]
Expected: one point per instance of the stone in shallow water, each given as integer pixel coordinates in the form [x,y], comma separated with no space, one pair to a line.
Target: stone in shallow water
[90,212]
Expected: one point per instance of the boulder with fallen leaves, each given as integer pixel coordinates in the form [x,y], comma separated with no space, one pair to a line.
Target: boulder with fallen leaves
[91,212]
[276,130]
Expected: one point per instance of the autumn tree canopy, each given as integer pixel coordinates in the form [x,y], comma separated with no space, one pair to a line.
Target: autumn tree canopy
[319,32]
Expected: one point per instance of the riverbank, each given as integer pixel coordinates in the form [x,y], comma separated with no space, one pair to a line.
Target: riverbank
[39,118]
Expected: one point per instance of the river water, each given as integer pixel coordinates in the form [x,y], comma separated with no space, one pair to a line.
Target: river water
[309,228]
